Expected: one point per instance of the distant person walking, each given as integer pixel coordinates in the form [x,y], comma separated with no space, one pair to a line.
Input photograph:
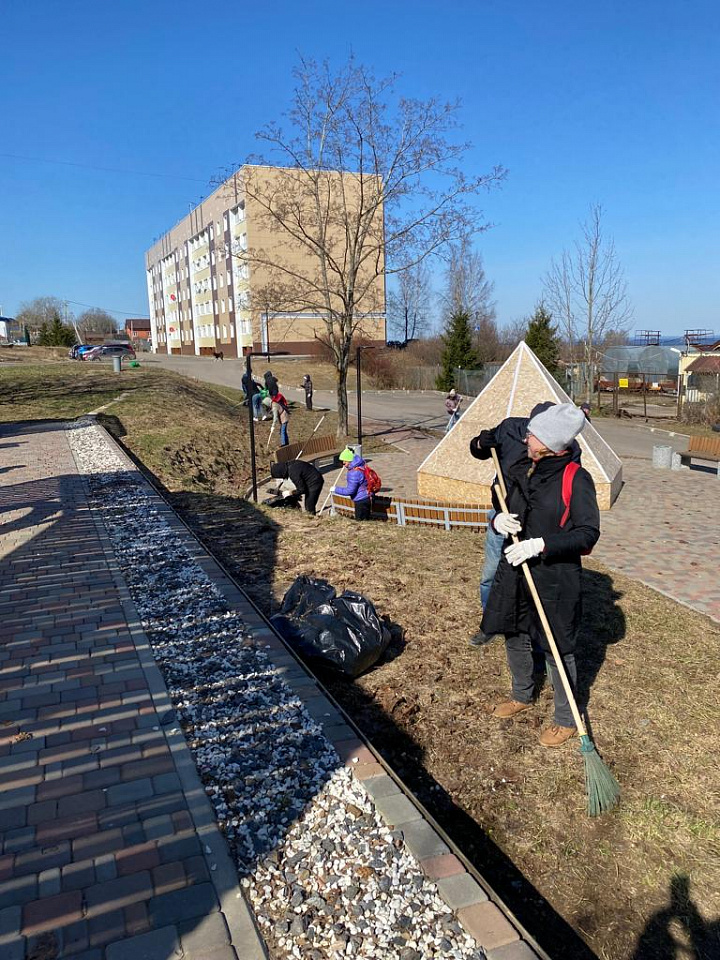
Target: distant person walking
[307,386]
[452,406]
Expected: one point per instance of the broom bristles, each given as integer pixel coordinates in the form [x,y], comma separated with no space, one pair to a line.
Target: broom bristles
[603,790]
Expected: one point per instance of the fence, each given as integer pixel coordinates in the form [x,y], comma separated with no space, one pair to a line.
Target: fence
[410,512]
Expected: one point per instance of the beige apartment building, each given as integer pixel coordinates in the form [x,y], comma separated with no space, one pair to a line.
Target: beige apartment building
[227,278]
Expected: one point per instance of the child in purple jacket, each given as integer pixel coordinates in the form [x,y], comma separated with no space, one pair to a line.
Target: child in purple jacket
[356,487]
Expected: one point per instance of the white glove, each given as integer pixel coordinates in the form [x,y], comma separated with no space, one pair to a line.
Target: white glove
[524,550]
[287,493]
[507,523]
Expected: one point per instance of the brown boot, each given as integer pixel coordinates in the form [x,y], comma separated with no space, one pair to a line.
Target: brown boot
[509,709]
[556,736]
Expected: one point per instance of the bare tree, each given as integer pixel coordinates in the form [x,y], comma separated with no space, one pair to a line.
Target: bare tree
[587,293]
[368,186]
[467,287]
[42,310]
[95,320]
[468,290]
[409,307]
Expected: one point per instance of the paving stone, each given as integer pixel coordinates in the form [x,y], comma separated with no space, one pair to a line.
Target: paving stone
[18,890]
[77,876]
[163,942]
[76,937]
[422,841]
[382,786]
[42,858]
[488,925]
[397,809]
[130,791]
[10,922]
[136,919]
[157,827]
[107,927]
[49,882]
[460,890]
[173,908]
[20,839]
[52,912]
[97,844]
[203,935]
[115,894]
[105,868]
[133,859]
[513,951]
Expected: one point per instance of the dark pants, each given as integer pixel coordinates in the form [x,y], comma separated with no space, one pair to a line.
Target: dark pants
[363,509]
[308,401]
[519,651]
[312,496]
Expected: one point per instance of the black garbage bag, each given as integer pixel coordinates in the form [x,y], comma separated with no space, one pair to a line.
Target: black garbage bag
[291,502]
[343,633]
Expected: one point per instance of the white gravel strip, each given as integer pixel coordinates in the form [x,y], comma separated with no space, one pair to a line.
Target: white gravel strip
[323,872]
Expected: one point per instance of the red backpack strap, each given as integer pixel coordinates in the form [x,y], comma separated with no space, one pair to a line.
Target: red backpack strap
[567,484]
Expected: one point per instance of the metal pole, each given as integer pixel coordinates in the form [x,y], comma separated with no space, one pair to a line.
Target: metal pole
[644,399]
[251,423]
[359,396]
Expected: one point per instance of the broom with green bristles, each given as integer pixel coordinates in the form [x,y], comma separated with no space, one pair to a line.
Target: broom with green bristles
[603,790]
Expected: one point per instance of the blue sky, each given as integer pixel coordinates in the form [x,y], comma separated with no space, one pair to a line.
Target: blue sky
[582,103]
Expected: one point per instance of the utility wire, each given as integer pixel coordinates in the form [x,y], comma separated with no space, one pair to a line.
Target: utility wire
[94,306]
[90,166]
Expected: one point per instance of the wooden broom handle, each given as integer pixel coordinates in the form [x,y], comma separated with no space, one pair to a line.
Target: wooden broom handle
[501,491]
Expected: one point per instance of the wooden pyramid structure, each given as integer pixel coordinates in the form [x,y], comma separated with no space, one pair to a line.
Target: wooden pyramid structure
[450,473]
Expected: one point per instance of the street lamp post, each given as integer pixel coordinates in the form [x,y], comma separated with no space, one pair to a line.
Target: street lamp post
[359,399]
[251,422]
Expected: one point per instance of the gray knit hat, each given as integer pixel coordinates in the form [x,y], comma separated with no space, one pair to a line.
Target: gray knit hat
[557,426]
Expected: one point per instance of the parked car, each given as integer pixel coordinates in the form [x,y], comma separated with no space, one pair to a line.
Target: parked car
[107,351]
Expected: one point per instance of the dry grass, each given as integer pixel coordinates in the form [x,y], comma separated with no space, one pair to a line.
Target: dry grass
[648,669]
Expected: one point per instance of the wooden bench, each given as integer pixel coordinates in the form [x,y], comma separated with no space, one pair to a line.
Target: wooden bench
[702,448]
[322,451]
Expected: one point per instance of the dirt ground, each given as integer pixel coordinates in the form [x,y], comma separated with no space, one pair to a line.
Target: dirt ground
[641,883]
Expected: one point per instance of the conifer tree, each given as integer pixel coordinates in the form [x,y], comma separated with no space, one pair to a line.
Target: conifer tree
[541,337]
[458,350]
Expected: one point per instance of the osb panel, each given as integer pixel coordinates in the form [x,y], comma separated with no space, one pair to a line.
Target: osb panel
[451,463]
[446,488]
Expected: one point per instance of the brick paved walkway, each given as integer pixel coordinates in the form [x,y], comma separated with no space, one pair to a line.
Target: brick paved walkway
[109,849]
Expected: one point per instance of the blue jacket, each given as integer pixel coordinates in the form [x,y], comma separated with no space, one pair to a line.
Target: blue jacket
[356,487]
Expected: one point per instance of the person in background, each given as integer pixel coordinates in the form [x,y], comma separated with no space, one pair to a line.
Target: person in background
[281,414]
[509,438]
[452,405]
[307,386]
[356,486]
[271,384]
[552,546]
[307,479]
[586,409]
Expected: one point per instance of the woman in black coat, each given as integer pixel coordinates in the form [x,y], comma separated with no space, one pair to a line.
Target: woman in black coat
[307,478]
[553,539]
